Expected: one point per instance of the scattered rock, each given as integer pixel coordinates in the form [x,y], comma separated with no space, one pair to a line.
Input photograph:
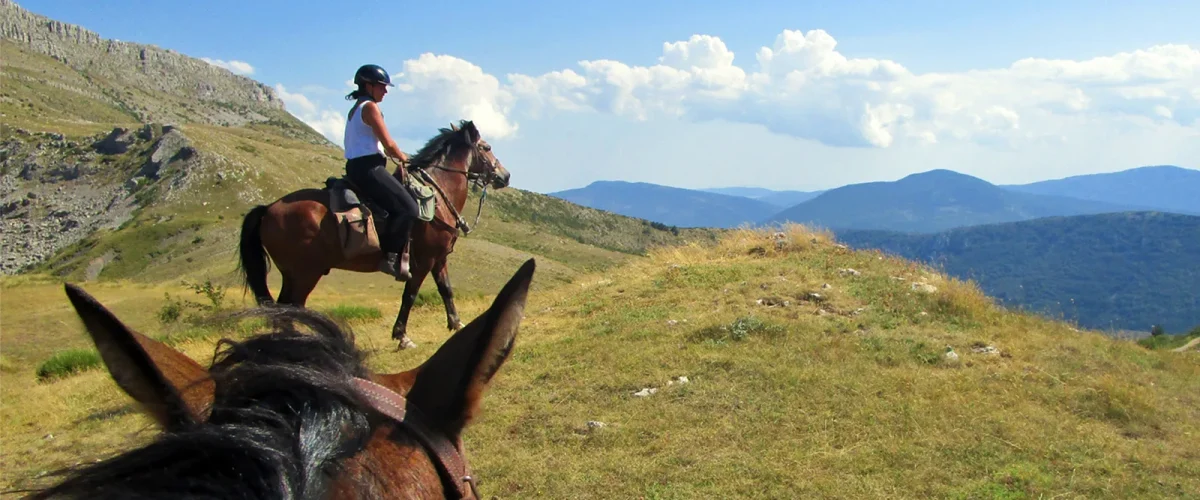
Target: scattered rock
[985,349]
[924,287]
[840,246]
[116,142]
[849,271]
[814,297]
[672,322]
[172,146]
[146,133]
[951,356]
[858,311]
[645,392]
[678,380]
[826,286]
[596,424]
[772,302]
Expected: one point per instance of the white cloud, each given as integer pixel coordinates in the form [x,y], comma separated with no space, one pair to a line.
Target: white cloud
[327,122]
[441,89]
[237,67]
[802,86]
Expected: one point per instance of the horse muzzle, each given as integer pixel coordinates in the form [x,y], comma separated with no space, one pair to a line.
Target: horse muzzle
[500,179]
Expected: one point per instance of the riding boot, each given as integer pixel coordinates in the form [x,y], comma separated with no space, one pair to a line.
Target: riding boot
[387,264]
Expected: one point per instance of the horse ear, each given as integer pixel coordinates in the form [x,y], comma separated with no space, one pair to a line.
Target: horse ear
[169,386]
[453,127]
[471,132]
[448,387]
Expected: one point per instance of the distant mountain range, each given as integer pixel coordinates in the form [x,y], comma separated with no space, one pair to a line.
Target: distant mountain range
[1166,187]
[668,205]
[1124,271]
[919,203]
[781,199]
[932,201]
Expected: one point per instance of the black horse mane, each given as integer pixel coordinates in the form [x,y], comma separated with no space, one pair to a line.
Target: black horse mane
[438,146]
[283,417]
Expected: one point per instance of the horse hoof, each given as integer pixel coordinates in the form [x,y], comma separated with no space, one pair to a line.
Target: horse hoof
[455,325]
[405,343]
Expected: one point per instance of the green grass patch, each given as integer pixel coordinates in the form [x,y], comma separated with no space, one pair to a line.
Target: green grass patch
[738,330]
[67,363]
[8,365]
[1167,342]
[351,313]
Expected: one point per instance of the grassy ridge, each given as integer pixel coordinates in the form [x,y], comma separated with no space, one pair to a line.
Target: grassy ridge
[846,393]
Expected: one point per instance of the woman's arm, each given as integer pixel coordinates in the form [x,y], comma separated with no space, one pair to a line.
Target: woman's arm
[373,118]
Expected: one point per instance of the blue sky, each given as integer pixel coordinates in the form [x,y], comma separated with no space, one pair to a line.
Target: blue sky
[856,92]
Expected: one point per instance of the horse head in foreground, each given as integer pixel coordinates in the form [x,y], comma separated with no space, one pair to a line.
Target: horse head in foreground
[289,414]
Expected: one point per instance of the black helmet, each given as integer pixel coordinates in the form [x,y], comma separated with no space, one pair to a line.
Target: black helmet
[372,73]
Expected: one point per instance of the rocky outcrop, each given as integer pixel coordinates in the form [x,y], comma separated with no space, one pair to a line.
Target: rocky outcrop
[191,90]
[55,192]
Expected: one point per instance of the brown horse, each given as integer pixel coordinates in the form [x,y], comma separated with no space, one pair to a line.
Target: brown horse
[300,233]
[291,414]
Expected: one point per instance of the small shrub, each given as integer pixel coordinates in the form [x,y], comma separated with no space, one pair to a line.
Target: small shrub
[213,292]
[67,363]
[171,310]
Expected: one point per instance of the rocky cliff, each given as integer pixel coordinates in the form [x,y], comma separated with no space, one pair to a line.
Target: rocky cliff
[150,83]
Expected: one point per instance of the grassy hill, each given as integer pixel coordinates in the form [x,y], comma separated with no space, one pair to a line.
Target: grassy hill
[849,392]
[1161,187]
[1123,271]
[812,370]
[668,205]
[181,222]
[929,202]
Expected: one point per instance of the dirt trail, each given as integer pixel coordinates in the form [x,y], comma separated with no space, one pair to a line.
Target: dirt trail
[1188,346]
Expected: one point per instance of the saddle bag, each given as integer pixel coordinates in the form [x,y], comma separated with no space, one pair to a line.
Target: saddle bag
[424,196]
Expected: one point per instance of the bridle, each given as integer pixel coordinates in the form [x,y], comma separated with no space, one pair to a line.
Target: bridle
[483,179]
[447,456]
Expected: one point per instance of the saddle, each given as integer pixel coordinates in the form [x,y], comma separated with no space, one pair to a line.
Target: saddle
[361,220]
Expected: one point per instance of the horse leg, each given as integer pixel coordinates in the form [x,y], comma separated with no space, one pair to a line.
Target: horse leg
[441,276]
[296,288]
[420,268]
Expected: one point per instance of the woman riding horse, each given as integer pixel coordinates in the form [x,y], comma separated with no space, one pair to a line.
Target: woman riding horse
[366,140]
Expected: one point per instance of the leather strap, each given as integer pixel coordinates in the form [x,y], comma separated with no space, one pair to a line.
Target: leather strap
[385,400]
[452,467]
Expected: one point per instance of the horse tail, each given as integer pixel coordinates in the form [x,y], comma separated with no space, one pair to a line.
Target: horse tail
[253,262]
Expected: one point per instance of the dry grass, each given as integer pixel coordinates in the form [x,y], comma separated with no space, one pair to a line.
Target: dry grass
[856,401]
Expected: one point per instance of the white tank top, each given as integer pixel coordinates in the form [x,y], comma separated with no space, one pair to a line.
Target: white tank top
[359,139]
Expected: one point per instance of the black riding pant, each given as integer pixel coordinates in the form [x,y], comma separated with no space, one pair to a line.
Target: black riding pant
[370,174]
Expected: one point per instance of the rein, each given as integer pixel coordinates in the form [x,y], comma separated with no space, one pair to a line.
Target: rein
[451,466]
[459,223]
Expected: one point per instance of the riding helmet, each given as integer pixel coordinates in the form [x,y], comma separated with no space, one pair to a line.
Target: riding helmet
[372,73]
